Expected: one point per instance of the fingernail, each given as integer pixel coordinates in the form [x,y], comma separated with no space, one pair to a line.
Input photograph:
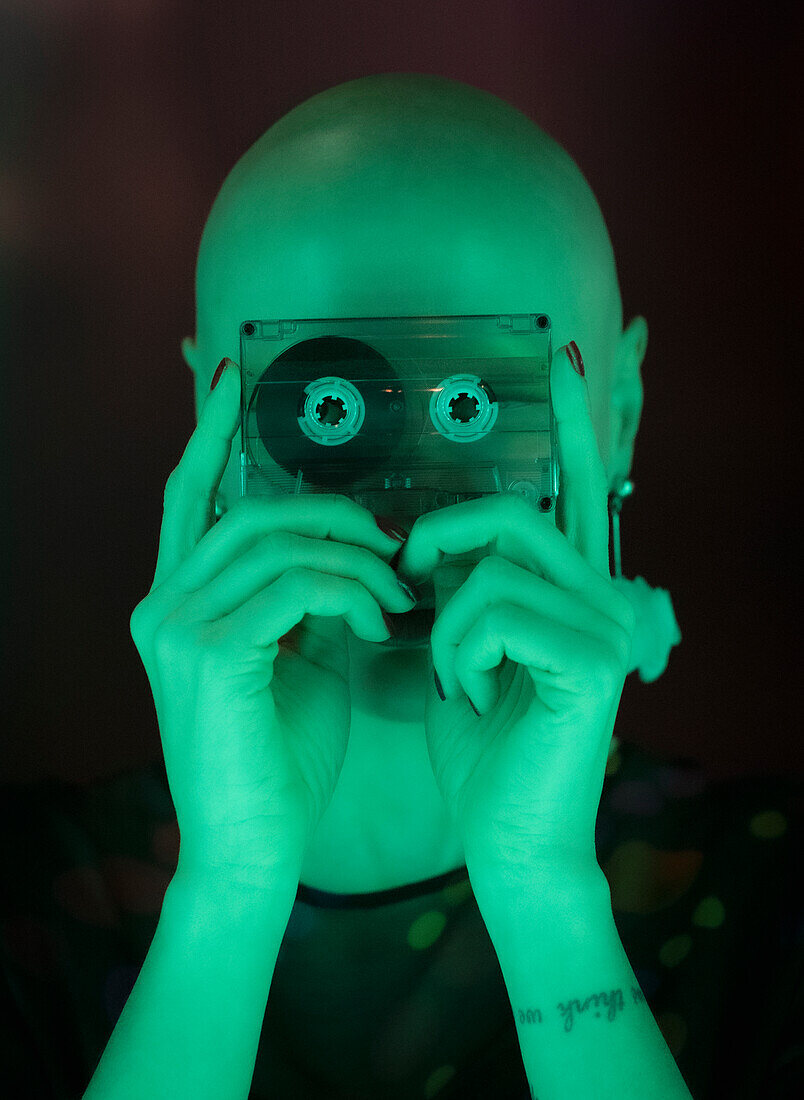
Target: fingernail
[388,527]
[409,590]
[216,376]
[439,688]
[576,358]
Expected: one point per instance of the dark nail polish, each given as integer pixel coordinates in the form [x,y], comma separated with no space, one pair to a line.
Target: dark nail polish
[439,688]
[216,376]
[576,358]
[409,589]
[388,527]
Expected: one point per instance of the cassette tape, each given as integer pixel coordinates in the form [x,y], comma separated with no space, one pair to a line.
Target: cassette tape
[404,415]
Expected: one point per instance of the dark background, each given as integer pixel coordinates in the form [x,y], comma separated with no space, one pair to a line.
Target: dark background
[120,121]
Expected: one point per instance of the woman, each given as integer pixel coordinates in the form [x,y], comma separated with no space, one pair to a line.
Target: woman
[397,828]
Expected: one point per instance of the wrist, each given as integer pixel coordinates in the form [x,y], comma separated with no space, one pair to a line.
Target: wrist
[515,903]
[233,892]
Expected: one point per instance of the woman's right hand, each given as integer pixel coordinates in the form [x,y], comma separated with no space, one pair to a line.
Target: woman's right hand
[243,638]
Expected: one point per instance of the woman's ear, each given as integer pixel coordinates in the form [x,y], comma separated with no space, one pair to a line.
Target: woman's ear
[192,357]
[626,398]
[189,353]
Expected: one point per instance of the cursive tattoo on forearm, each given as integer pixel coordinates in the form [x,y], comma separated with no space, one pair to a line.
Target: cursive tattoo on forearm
[599,1003]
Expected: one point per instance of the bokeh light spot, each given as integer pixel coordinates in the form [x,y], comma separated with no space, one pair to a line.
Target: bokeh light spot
[768,825]
[426,929]
[710,913]
[437,1079]
[675,950]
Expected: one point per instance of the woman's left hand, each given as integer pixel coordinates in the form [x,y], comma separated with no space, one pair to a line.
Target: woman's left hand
[522,781]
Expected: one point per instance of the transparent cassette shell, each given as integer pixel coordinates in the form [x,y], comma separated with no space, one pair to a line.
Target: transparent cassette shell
[404,415]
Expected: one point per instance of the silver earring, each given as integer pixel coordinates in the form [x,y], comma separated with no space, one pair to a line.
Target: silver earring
[616,499]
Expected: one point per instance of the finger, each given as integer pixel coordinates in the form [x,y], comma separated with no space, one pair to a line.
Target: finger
[514,529]
[572,669]
[497,581]
[191,486]
[582,505]
[265,521]
[287,551]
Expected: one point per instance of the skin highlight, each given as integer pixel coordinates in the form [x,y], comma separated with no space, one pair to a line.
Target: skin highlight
[394,195]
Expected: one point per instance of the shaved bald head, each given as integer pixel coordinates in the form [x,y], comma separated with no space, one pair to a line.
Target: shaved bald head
[403,194]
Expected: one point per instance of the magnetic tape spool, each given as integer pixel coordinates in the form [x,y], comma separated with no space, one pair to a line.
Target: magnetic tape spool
[335,392]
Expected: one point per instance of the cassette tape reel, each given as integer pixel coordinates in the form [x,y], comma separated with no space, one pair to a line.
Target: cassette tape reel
[402,414]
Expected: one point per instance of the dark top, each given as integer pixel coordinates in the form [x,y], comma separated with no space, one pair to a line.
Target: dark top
[399,993]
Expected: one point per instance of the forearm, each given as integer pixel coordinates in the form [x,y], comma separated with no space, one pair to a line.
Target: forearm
[192,1023]
[583,1024]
